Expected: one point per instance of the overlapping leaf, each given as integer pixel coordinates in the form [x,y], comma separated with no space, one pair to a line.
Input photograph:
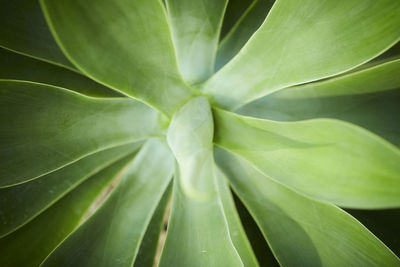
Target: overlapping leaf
[19,67]
[24,29]
[368,98]
[303,41]
[124,44]
[198,231]
[301,231]
[49,127]
[31,244]
[20,204]
[326,159]
[196,26]
[112,236]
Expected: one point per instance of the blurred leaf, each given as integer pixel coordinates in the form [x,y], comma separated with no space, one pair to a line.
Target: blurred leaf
[30,245]
[19,67]
[301,231]
[196,26]
[149,247]
[20,204]
[198,233]
[234,11]
[303,41]
[123,44]
[326,159]
[24,30]
[242,31]
[260,246]
[46,128]
[236,231]
[112,236]
[383,223]
[369,98]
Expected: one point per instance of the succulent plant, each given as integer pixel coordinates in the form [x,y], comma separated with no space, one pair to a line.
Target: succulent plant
[263,132]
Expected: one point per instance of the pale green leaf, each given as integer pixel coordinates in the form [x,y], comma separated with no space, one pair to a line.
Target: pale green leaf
[20,204]
[236,231]
[369,98]
[242,31]
[112,236]
[198,231]
[303,41]
[30,245]
[45,128]
[196,26]
[24,30]
[19,67]
[123,44]
[326,159]
[302,231]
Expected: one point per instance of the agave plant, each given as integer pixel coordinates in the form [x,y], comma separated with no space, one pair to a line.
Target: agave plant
[269,129]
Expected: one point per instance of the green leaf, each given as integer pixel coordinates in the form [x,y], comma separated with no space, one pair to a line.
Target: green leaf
[112,236]
[369,98]
[383,223]
[259,244]
[196,26]
[30,245]
[234,11]
[20,204]
[19,67]
[302,231]
[124,44]
[24,30]
[242,31]
[326,159]
[45,128]
[198,233]
[149,247]
[236,231]
[303,41]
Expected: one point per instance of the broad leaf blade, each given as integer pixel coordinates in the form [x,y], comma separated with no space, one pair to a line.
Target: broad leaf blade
[326,234]
[20,204]
[31,244]
[112,236]
[24,30]
[196,203]
[46,128]
[369,98]
[303,41]
[195,27]
[326,159]
[124,44]
[18,67]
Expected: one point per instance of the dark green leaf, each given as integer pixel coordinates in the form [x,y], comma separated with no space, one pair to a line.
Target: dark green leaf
[20,204]
[30,245]
[19,67]
[24,30]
